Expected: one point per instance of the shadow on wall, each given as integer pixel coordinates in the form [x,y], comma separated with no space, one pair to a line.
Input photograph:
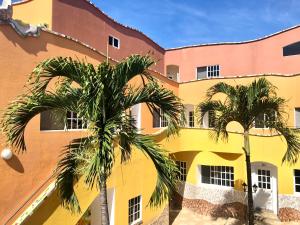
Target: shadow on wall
[28,44]
[15,164]
[35,45]
[228,156]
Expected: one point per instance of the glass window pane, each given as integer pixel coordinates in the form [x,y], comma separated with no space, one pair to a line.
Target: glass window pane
[52,120]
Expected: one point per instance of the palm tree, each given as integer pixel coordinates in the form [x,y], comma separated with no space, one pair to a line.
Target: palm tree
[103,96]
[245,104]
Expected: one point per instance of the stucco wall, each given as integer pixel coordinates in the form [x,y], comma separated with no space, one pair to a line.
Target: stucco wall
[25,173]
[81,20]
[257,57]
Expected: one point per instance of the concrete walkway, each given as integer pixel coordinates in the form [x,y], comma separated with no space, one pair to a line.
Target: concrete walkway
[188,217]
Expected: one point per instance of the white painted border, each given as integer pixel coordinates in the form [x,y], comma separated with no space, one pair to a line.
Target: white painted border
[200,184]
[114,37]
[274,180]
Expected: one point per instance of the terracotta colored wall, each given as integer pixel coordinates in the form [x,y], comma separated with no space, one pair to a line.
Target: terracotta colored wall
[258,57]
[81,20]
[26,172]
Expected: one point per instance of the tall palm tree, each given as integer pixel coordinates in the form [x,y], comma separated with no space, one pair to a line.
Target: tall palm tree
[102,95]
[245,104]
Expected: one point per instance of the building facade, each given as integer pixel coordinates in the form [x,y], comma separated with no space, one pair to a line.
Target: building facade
[212,173]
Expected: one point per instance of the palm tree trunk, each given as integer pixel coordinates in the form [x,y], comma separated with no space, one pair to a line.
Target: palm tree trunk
[249,179]
[103,202]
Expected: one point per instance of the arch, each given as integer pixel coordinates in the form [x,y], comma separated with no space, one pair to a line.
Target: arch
[265,176]
[173,72]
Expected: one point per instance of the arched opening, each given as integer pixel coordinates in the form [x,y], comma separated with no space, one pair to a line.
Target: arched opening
[173,72]
[265,177]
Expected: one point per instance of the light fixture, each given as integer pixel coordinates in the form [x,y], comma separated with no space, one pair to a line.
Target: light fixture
[6,154]
[245,187]
[254,187]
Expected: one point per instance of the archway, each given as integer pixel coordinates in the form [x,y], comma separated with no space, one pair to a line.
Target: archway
[265,177]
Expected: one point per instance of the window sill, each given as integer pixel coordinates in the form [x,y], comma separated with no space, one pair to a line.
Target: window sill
[215,186]
[71,130]
[138,222]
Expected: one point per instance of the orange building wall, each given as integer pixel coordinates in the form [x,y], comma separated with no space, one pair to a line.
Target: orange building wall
[26,172]
[80,19]
[256,57]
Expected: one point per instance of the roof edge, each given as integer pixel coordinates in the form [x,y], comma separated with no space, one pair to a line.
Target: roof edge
[237,42]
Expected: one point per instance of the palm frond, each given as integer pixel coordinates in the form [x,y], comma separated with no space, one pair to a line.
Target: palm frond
[157,97]
[67,174]
[223,88]
[22,110]
[130,67]
[66,67]
[167,171]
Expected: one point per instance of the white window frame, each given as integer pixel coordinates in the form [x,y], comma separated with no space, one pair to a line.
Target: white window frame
[214,185]
[266,182]
[206,121]
[265,127]
[162,120]
[113,41]
[191,117]
[295,109]
[66,127]
[182,167]
[137,221]
[207,69]
[295,192]
[77,119]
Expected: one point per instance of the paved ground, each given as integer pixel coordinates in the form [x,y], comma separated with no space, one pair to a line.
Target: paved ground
[188,217]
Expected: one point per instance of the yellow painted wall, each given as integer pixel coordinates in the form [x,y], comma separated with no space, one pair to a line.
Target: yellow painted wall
[287,87]
[34,12]
[205,151]
[137,177]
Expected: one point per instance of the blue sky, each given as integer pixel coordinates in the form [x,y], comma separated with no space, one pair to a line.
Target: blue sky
[174,23]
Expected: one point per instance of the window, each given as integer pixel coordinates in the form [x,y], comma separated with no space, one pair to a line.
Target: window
[211,119]
[52,120]
[262,120]
[297,180]
[208,72]
[217,175]
[135,210]
[297,117]
[191,119]
[58,120]
[182,170]
[264,179]
[74,122]
[115,42]
[292,49]
[159,119]
[208,120]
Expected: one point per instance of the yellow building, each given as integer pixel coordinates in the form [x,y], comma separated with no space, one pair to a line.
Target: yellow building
[212,173]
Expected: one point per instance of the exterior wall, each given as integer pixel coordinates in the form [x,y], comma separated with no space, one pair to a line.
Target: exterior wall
[254,57]
[128,180]
[287,87]
[32,170]
[211,199]
[195,146]
[88,24]
[34,12]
